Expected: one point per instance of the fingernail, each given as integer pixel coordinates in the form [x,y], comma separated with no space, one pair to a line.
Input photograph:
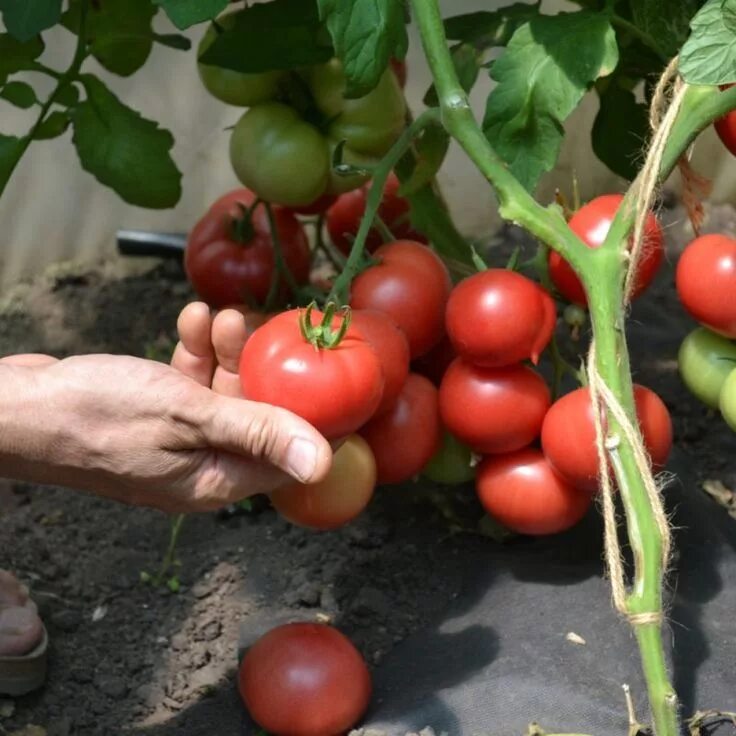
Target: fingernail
[301,458]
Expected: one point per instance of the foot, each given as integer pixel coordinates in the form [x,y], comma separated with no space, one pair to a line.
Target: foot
[21,629]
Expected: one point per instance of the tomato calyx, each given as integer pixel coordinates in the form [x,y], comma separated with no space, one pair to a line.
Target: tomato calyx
[324,335]
[241,227]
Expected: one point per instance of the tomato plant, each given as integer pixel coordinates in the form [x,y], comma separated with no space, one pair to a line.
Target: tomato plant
[305,679]
[404,438]
[452,464]
[316,365]
[410,284]
[493,410]
[706,282]
[499,317]
[229,256]
[574,455]
[344,216]
[705,361]
[522,491]
[339,498]
[591,223]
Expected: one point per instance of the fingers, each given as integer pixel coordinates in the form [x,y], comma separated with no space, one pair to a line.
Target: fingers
[28,360]
[194,355]
[269,434]
[228,338]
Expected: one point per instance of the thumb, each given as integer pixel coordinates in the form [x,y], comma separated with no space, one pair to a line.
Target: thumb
[269,434]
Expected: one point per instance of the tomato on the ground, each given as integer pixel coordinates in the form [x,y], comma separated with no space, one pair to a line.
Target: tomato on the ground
[452,464]
[705,360]
[498,317]
[336,389]
[493,410]
[345,215]
[411,284]
[339,498]
[305,679]
[392,349]
[591,224]
[568,434]
[706,282]
[522,491]
[404,439]
[229,257]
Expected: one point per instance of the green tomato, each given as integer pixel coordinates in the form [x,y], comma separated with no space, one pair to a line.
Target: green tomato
[728,400]
[369,125]
[705,361]
[278,155]
[339,184]
[235,88]
[451,464]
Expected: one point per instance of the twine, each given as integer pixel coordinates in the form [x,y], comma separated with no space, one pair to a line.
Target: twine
[666,103]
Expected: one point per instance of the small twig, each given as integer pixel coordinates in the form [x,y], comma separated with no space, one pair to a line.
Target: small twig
[168,559]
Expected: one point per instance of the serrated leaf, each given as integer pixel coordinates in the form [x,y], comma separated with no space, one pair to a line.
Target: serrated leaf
[620,130]
[118,32]
[11,149]
[282,34]
[664,21]
[430,150]
[25,19]
[709,55]
[15,56]
[19,94]
[68,96]
[123,150]
[548,65]
[173,41]
[486,29]
[185,13]
[365,34]
[53,126]
[466,60]
[728,8]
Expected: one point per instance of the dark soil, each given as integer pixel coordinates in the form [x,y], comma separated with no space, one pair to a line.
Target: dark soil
[130,658]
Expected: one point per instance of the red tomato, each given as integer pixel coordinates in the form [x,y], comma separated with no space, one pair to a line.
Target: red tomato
[399,67]
[305,679]
[706,282]
[433,364]
[411,284]
[336,389]
[404,439]
[343,218]
[572,452]
[591,224]
[339,498]
[523,492]
[318,207]
[493,410]
[225,270]
[499,317]
[392,348]
[726,127]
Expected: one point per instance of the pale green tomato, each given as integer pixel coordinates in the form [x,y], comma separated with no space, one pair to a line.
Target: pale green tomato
[728,400]
[705,361]
[451,464]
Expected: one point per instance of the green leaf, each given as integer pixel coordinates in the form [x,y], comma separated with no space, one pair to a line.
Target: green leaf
[25,19]
[728,8]
[282,34]
[123,150]
[709,55]
[173,41]
[11,149]
[68,96]
[486,29]
[620,130]
[16,55]
[118,32]
[467,60]
[53,126]
[365,34]
[185,13]
[19,94]
[548,65]
[664,21]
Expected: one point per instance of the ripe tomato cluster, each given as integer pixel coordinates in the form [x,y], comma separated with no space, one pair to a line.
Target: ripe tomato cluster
[706,284]
[283,146]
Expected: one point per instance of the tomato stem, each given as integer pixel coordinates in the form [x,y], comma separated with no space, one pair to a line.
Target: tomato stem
[323,335]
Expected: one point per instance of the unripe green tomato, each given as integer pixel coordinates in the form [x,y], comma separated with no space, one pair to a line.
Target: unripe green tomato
[371,124]
[705,361]
[235,88]
[728,400]
[451,464]
[340,184]
[279,156]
